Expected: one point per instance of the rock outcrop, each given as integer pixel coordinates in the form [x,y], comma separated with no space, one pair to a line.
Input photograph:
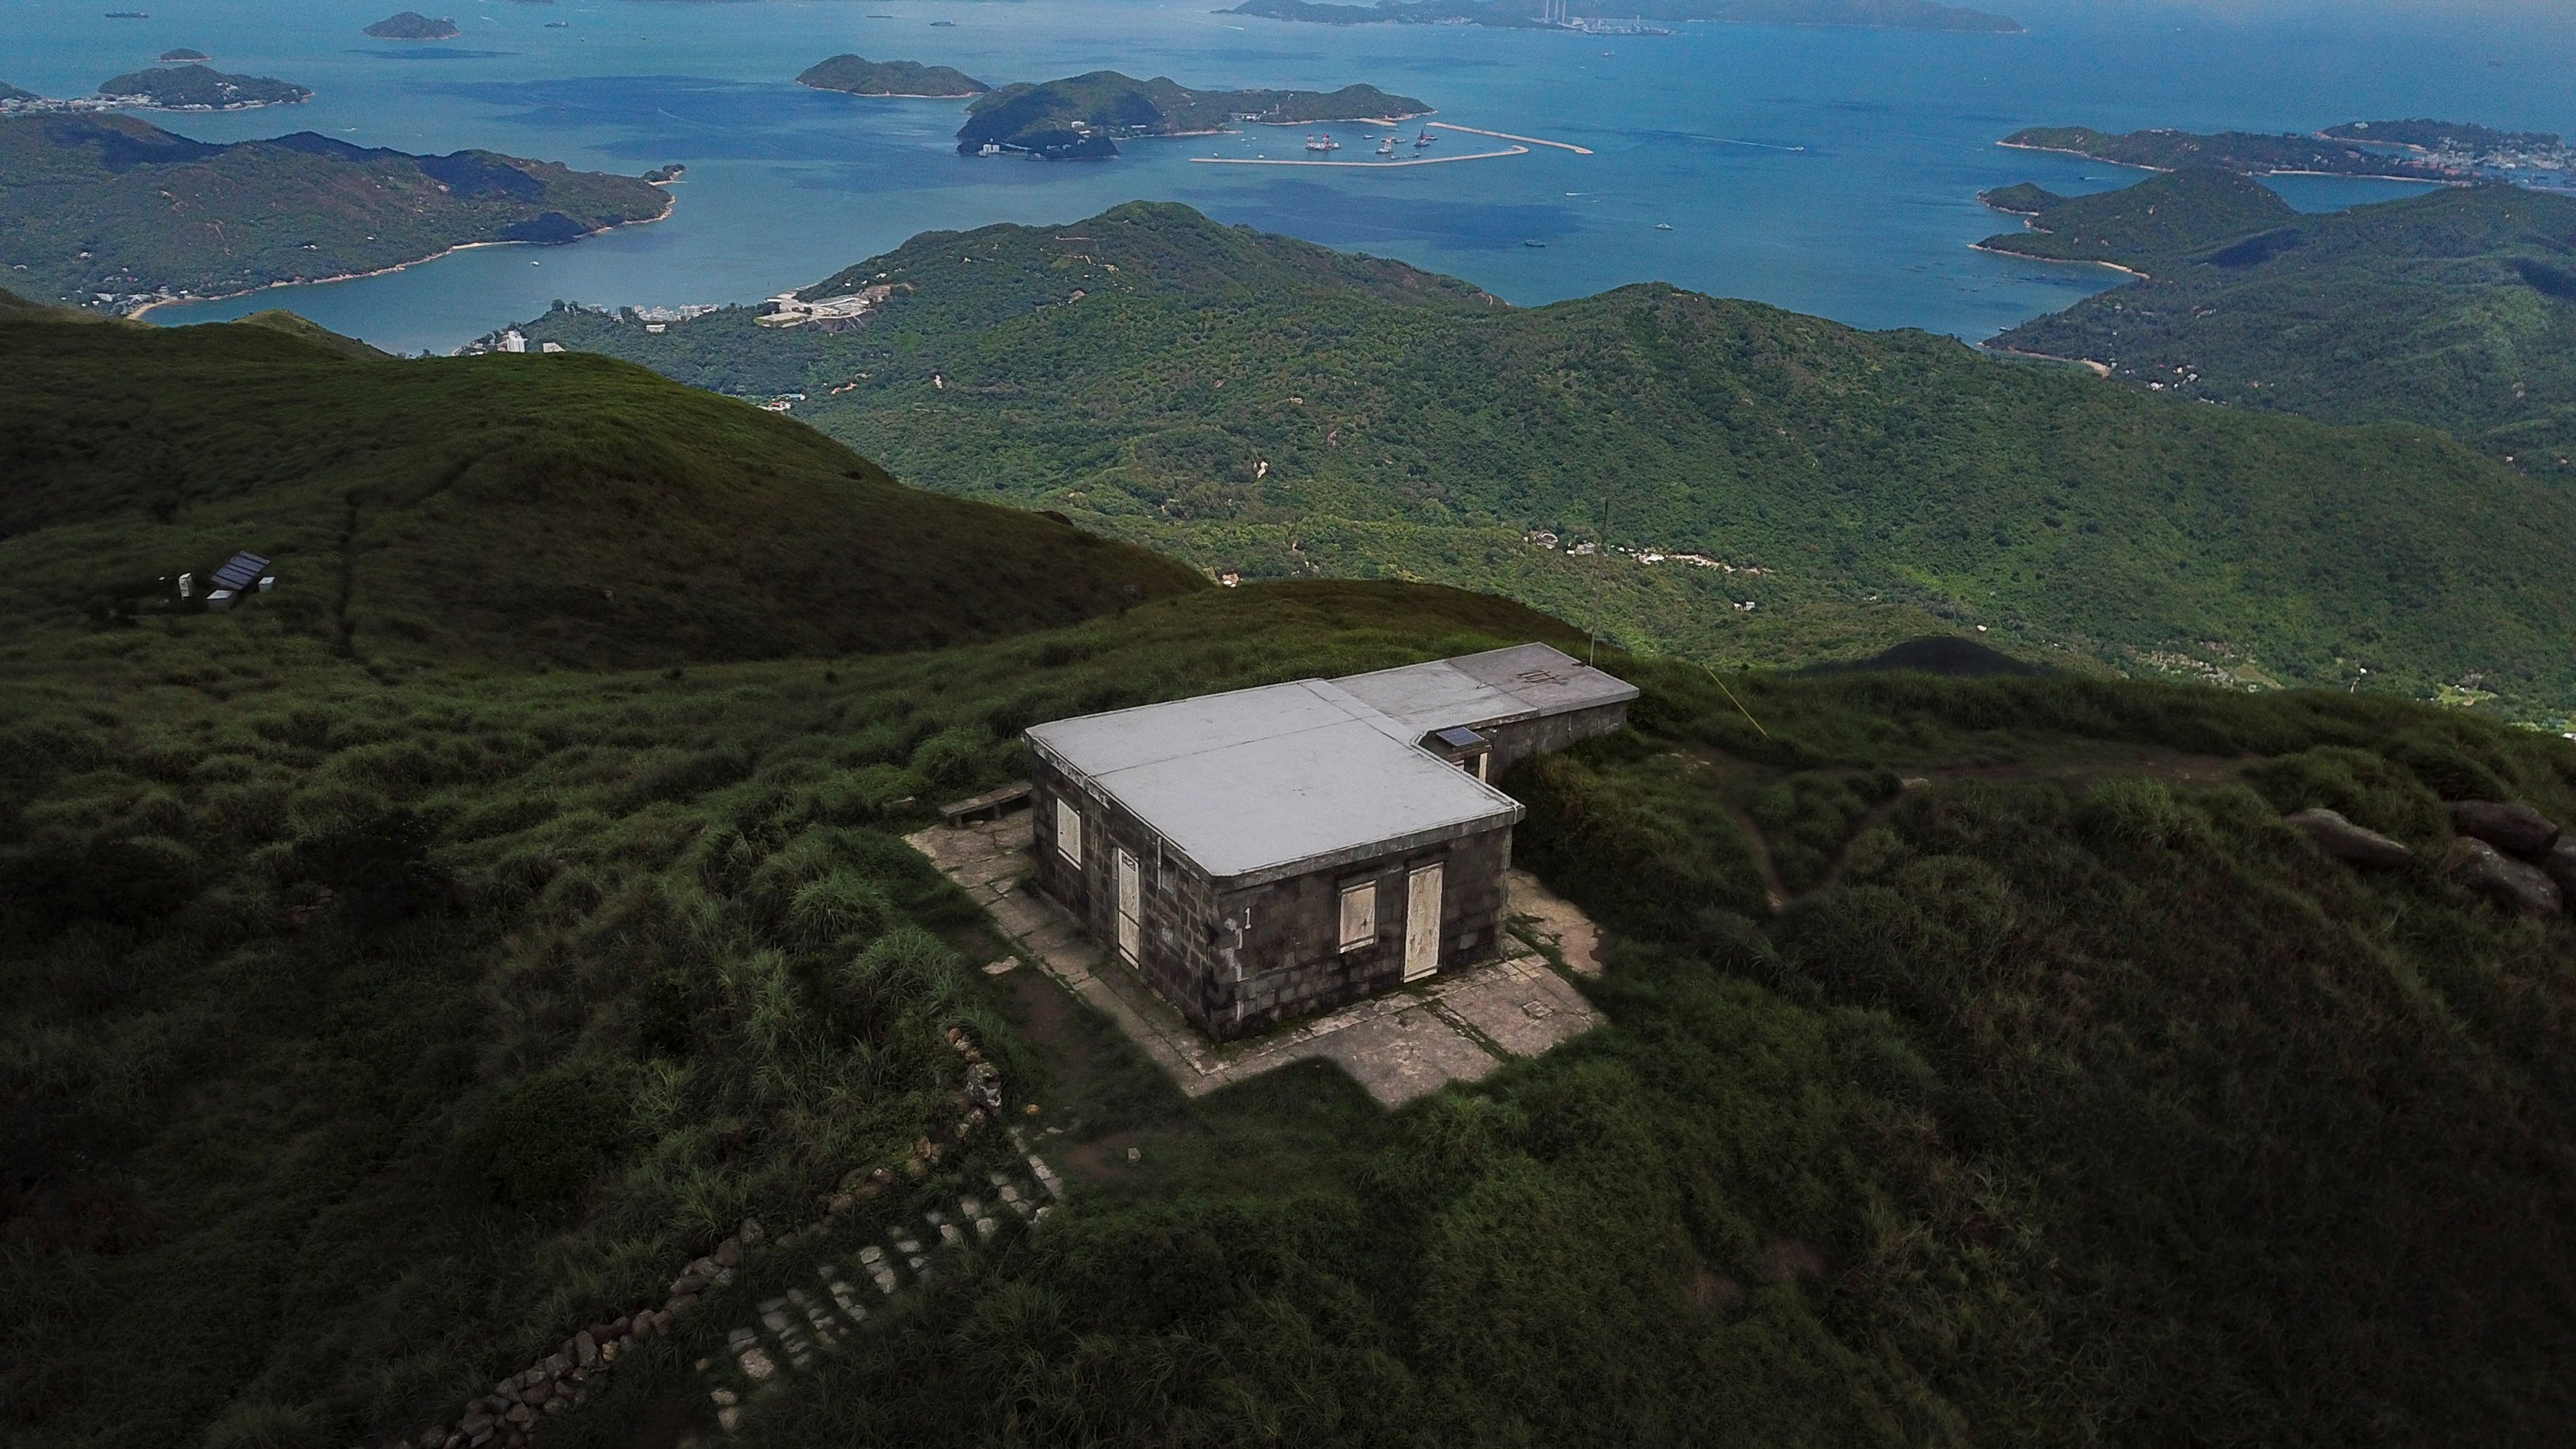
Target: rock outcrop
[2346,841]
[2513,884]
[2512,828]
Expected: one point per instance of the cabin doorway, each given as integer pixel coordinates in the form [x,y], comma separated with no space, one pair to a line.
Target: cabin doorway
[1422,922]
[1131,907]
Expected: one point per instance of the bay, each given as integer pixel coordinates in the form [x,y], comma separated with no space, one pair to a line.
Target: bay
[1831,171]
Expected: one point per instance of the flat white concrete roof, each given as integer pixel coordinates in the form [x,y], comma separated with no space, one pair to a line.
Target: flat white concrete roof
[1262,784]
[1499,686]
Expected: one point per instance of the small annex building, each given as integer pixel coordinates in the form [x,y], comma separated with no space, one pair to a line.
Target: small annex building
[1269,853]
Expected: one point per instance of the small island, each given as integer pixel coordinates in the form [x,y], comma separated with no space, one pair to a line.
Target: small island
[412,25]
[1083,117]
[900,79]
[2146,229]
[662,174]
[1509,15]
[173,57]
[200,88]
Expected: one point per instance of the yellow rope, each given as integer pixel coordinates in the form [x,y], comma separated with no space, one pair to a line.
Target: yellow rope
[1739,704]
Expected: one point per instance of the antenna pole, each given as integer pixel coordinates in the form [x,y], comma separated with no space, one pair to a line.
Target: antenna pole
[1592,650]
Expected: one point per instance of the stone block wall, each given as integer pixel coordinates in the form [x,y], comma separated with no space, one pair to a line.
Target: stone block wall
[1518,741]
[1289,962]
[1233,962]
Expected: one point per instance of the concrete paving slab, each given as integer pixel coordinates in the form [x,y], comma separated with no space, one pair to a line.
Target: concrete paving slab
[1523,1016]
[1408,1055]
[1555,920]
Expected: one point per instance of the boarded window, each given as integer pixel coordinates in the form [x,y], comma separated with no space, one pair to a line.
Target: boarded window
[1359,915]
[1068,831]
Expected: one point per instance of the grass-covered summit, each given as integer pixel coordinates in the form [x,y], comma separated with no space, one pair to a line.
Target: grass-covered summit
[2455,309]
[113,205]
[195,87]
[558,509]
[1085,116]
[863,77]
[1264,406]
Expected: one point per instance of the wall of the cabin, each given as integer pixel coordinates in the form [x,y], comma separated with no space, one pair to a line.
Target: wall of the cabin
[1518,741]
[1281,957]
[1289,962]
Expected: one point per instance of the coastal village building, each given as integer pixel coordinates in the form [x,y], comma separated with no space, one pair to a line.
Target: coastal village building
[1269,853]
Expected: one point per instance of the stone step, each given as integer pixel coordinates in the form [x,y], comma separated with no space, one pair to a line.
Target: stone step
[793,1329]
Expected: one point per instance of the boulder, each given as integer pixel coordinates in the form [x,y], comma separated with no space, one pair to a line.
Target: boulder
[585,1349]
[2558,862]
[2346,841]
[680,1303]
[2513,829]
[2501,878]
[729,1253]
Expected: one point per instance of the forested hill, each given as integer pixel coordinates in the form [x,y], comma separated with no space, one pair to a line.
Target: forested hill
[1174,381]
[2145,228]
[2251,152]
[541,509]
[1085,116]
[910,78]
[109,206]
[2455,309]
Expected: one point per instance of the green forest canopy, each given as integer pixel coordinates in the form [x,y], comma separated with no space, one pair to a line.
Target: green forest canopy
[1272,408]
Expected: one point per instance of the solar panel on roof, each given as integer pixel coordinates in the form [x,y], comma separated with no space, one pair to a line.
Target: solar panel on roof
[241,573]
[1460,738]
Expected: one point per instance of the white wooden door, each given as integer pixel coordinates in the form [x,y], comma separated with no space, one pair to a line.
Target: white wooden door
[1422,922]
[1131,907]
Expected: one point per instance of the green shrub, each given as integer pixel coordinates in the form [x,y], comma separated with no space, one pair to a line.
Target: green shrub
[542,1138]
[674,776]
[2132,810]
[951,757]
[2363,786]
[836,908]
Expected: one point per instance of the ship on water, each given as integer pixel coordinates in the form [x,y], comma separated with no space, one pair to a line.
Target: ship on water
[1386,147]
[1322,143]
[1425,139]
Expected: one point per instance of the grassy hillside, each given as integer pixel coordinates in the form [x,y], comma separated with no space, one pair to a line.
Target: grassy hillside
[2084,1103]
[2149,227]
[102,205]
[1258,405]
[2456,309]
[1986,1061]
[569,510]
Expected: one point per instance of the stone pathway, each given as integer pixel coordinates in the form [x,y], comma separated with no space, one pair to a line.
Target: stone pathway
[849,1288]
[1458,1026]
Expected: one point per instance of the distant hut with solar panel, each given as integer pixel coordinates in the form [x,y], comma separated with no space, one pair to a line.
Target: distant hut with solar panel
[247,573]
[1270,853]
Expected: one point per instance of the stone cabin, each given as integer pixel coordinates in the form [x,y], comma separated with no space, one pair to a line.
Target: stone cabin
[1270,853]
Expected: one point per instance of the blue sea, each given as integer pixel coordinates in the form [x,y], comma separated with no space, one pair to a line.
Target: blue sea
[1833,171]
